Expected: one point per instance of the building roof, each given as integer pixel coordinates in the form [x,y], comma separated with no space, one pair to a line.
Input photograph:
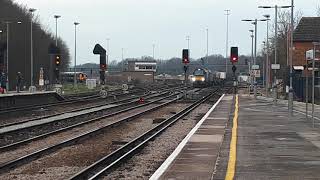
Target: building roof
[308,30]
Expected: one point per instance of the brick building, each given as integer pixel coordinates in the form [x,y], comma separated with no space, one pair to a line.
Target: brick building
[135,71]
[307,32]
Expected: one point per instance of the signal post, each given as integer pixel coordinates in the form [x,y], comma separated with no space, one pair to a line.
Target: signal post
[55,61]
[99,50]
[234,57]
[185,61]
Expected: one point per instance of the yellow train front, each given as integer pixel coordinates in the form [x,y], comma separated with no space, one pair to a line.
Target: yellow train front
[69,77]
[201,78]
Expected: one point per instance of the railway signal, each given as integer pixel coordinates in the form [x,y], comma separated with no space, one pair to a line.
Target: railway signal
[98,49]
[185,56]
[57,59]
[234,55]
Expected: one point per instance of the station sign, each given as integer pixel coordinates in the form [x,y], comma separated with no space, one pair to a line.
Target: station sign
[310,55]
[255,73]
[255,67]
[125,87]
[275,66]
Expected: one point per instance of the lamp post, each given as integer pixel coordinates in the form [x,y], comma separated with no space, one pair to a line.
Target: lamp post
[57,17]
[7,61]
[108,49]
[313,79]
[153,46]
[264,65]
[267,16]
[207,43]
[122,51]
[255,23]
[7,57]
[75,54]
[227,38]
[291,56]
[252,44]
[188,40]
[32,87]
[276,7]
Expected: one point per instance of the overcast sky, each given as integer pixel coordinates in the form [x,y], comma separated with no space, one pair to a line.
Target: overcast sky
[137,24]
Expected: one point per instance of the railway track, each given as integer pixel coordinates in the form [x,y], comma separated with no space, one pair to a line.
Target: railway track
[66,102]
[132,96]
[93,131]
[105,164]
[42,112]
[18,161]
[70,111]
[21,132]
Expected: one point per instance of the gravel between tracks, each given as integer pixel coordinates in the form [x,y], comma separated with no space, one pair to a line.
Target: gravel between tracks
[70,160]
[143,165]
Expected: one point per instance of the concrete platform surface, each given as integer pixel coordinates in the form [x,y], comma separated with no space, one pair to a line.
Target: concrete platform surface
[272,146]
[196,156]
[25,93]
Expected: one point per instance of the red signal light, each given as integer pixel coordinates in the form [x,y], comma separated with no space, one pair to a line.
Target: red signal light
[103,66]
[185,56]
[234,55]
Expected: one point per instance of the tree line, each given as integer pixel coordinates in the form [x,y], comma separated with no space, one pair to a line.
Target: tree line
[19,43]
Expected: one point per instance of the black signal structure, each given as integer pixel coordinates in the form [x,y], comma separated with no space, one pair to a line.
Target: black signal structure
[185,56]
[234,55]
[99,50]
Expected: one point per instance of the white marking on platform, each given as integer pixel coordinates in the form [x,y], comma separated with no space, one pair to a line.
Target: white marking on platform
[177,151]
[206,138]
[256,110]
[212,127]
[213,118]
[228,98]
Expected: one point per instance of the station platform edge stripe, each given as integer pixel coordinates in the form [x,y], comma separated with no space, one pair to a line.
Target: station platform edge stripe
[176,152]
[233,145]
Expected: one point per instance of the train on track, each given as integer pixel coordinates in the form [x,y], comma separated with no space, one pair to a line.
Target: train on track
[203,77]
[69,76]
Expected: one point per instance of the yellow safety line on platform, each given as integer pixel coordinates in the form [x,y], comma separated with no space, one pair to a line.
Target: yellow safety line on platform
[233,145]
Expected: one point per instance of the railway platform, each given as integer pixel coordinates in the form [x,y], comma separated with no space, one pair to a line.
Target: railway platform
[248,139]
[14,99]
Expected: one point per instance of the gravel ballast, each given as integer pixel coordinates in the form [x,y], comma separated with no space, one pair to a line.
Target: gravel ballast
[68,161]
[143,165]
